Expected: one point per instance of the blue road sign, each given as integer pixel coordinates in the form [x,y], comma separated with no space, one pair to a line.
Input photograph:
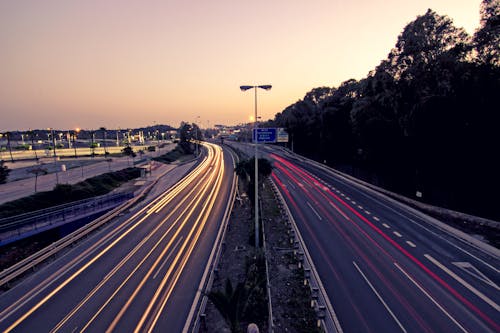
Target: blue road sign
[265,135]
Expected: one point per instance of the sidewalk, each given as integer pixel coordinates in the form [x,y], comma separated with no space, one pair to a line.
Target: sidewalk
[76,171]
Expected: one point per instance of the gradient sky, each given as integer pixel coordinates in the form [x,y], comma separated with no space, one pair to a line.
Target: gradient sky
[124,63]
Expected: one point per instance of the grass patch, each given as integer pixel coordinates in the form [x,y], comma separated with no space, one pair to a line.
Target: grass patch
[177,153]
[64,193]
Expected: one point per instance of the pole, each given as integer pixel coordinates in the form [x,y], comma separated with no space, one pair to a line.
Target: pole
[55,157]
[256,176]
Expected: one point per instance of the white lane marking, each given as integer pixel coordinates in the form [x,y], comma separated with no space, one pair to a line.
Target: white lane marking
[376,218]
[347,198]
[386,225]
[397,234]
[418,224]
[367,212]
[168,257]
[379,297]
[411,244]
[360,207]
[469,268]
[463,282]
[353,202]
[342,194]
[314,210]
[431,298]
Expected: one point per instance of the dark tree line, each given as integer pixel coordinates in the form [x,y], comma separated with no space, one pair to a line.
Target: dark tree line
[426,119]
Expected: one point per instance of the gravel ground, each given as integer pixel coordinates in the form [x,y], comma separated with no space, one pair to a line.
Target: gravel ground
[290,298]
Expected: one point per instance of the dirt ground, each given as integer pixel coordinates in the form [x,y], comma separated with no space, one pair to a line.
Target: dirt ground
[290,299]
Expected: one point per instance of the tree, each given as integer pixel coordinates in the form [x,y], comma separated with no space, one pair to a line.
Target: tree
[37,170]
[103,130]
[230,303]
[31,134]
[8,135]
[246,168]
[487,37]
[4,172]
[129,151]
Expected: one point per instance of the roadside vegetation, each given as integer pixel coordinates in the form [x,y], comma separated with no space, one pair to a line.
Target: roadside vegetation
[239,293]
[4,172]
[64,193]
[177,153]
[423,123]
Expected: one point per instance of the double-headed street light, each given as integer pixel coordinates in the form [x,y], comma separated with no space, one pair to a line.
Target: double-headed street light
[256,179]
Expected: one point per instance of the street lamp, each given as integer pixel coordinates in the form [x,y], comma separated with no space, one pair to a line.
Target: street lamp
[52,134]
[256,209]
[75,133]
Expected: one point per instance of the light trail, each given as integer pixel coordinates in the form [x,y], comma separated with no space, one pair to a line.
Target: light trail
[205,175]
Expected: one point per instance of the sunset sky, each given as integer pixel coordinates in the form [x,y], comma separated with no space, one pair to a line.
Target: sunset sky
[124,63]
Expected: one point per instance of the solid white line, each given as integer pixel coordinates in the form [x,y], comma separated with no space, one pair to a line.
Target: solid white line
[411,244]
[380,297]
[431,298]
[386,225]
[376,218]
[168,257]
[397,234]
[314,210]
[463,282]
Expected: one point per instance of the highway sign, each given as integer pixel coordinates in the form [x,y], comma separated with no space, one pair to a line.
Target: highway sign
[282,135]
[265,135]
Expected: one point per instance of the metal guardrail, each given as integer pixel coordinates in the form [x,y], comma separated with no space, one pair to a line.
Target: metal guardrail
[268,284]
[21,226]
[9,274]
[26,216]
[327,318]
[196,321]
[18,269]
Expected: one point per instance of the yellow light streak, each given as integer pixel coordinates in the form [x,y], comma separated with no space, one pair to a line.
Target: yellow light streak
[177,258]
[83,268]
[195,204]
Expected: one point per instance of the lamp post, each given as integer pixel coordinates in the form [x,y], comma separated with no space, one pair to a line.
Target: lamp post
[75,133]
[52,134]
[256,178]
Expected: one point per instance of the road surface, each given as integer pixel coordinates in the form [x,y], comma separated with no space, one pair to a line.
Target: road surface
[385,267]
[140,273]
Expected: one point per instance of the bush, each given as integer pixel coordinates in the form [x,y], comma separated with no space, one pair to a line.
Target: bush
[64,193]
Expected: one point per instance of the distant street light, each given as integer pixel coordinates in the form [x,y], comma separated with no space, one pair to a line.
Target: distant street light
[75,133]
[245,88]
[52,134]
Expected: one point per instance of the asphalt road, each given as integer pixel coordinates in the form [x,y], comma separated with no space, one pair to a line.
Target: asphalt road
[140,273]
[385,267]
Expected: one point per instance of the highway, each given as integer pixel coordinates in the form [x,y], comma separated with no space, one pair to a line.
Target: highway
[384,266]
[140,273]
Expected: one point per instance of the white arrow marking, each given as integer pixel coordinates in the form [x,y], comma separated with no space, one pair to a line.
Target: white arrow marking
[467,266]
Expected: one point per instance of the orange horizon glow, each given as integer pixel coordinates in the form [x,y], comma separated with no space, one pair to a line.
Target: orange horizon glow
[130,64]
